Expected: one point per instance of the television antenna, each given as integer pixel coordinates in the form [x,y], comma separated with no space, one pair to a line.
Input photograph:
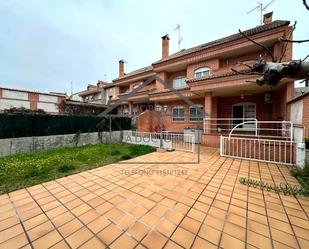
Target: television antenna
[179,35]
[71,87]
[261,8]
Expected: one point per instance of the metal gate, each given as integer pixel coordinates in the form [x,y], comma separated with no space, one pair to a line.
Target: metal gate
[165,140]
[267,150]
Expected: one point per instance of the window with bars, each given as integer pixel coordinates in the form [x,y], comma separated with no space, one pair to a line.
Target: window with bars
[196,113]
[202,72]
[179,82]
[178,113]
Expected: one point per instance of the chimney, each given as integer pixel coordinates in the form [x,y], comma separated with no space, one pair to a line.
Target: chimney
[121,68]
[268,18]
[165,46]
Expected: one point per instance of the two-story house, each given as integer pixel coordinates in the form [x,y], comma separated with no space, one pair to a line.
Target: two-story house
[203,74]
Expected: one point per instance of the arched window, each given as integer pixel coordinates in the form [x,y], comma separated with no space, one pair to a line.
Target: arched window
[179,82]
[196,113]
[202,72]
[178,113]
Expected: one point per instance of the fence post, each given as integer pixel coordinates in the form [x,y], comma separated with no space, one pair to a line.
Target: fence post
[221,145]
[292,132]
[256,128]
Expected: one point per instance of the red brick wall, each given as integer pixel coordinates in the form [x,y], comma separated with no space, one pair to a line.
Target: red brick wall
[179,126]
[162,76]
[171,76]
[213,64]
[279,107]
[211,140]
[147,121]
[263,111]
[255,150]
[33,98]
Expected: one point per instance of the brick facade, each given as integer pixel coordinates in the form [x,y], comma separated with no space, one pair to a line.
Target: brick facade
[217,93]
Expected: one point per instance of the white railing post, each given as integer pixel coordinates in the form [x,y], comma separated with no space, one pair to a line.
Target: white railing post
[291,132]
[256,128]
[221,145]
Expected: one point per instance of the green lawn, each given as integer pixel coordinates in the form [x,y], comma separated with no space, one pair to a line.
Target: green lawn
[29,169]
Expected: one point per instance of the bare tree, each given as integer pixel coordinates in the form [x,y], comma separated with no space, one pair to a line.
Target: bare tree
[271,73]
[306,5]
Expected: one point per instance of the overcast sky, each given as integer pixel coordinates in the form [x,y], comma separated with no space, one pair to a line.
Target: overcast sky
[46,44]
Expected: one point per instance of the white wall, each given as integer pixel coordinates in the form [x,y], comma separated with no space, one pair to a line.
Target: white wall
[296,115]
[48,98]
[14,94]
[9,103]
[76,97]
[48,107]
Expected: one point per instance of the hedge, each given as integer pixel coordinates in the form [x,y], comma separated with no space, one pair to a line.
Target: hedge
[28,125]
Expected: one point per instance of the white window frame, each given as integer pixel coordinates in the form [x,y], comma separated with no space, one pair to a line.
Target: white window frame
[177,84]
[197,117]
[158,108]
[178,117]
[202,72]
[134,111]
[125,112]
[249,126]
[136,85]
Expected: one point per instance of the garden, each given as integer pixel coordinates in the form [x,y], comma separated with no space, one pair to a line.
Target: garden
[28,169]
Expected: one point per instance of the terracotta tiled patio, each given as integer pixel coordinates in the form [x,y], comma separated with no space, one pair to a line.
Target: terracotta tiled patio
[204,206]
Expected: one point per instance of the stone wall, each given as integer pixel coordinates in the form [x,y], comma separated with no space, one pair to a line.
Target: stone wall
[11,146]
[129,138]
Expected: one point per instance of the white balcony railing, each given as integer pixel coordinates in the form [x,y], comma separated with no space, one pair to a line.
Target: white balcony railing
[249,127]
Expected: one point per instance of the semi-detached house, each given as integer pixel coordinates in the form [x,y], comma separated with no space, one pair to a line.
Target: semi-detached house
[203,74]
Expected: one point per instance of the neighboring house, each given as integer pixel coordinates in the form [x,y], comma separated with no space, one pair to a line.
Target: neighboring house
[203,74]
[99,93]
[18,98]
[302,90]
[95,93]
[298,109]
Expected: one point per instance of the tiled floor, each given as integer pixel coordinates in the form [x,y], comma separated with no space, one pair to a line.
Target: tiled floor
[204,206]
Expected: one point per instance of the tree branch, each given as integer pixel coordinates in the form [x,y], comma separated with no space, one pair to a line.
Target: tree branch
[306,5]
[248,72]
[271,73]
[296,41]
[244,64]
[256,43]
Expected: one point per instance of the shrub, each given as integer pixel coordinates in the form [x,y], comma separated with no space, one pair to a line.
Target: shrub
[126,157]
[28,125]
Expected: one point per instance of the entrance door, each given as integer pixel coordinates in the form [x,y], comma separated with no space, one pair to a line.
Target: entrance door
[238,114]
[244,112]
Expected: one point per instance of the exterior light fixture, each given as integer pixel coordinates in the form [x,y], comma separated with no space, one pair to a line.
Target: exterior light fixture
[165,108]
